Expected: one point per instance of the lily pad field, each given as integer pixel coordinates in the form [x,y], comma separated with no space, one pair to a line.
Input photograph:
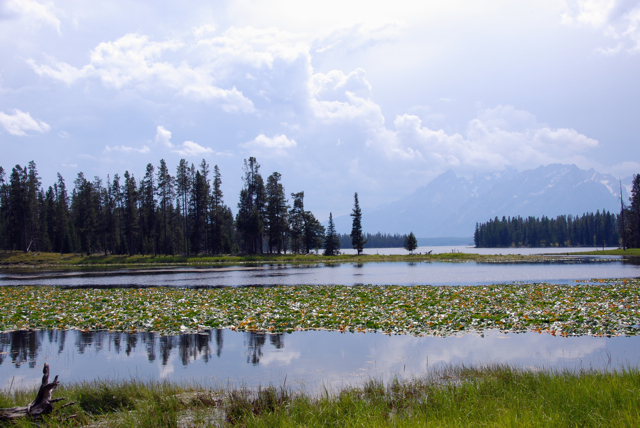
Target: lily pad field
[600,307]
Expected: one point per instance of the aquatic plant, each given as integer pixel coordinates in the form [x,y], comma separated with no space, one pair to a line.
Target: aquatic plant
[597,307]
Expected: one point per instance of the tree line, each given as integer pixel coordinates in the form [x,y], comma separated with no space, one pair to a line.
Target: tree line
[162,213]
[377,240]
[589,230]
[159,213]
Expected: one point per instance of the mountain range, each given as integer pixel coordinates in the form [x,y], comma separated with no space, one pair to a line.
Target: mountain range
[450,206]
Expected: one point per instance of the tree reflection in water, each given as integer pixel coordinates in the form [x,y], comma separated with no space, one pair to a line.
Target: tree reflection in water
[24,346]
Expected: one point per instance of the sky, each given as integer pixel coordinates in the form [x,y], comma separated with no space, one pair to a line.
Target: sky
[374,97]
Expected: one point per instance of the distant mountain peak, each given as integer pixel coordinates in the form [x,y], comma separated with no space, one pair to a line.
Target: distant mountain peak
[451,205]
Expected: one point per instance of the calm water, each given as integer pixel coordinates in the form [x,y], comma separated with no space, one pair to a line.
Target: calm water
[399,273]
[308,360]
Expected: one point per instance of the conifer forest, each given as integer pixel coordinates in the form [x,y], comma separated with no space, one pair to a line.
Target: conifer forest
[159,213]
[599,229]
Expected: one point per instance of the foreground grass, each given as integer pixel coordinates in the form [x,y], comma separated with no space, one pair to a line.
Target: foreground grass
[48,260]
[487,396]
[600,307]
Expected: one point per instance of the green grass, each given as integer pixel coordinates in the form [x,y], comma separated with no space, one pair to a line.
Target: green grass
[598,307]
[500,396]
[48,260]
[631,252]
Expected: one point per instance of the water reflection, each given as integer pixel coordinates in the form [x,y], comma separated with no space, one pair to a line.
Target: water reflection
[310,360]
[19,347]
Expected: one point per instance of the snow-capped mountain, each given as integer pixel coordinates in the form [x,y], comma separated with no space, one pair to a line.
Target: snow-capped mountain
[451,205]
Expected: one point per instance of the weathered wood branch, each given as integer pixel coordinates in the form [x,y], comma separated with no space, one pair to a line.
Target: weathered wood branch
[42,405]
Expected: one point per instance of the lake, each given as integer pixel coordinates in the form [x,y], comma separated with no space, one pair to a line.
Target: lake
[308,360]
[561,271]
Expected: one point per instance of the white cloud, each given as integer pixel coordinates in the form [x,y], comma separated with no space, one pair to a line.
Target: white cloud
[135,61]
[270,146]
[126,149]
[624,169]
[336,97]
[204,31]
[618,19]
[499,137]
[356,36]
[34,12]
[19,122]
[163,136]
[189,148]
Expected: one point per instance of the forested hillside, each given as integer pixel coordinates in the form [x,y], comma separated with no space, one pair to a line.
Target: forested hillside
[158,213]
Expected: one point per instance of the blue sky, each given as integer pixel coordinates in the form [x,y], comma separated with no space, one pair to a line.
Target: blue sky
[337,96]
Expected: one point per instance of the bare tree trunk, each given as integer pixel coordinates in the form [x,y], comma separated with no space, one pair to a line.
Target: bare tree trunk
[42,405]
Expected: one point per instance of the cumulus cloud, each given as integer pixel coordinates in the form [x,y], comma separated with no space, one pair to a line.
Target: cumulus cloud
[278,145]
[618,19]
[339,97]
[188,148]
[497,138]
[33,12]
[19,122]
[163,136]
[135,61]
[126,149]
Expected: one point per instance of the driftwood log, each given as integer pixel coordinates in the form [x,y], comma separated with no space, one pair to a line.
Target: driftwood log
[42,405]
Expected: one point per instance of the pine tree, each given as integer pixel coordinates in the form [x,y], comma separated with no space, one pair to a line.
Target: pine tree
[634,200]
[297,222]
[331,240]
[183,186]
[166,194]
[411,243]
[276,208]
[130,211]
[250,217]
[357,239]
[217,211]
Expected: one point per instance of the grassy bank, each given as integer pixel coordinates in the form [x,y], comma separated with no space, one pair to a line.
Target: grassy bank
[47,260]
[630,252]
[603,307]
[489,396]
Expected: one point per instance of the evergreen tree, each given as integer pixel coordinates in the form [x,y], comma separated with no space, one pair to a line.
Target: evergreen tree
[276,207]
[130,211]
[250,217]
[165,192]
[357,239]
[183,186]
[198,208]
[217,211]
[296,222]
[634,201]
[411,243]
[63,230]
[331,241]
[147,218]
[4,209]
